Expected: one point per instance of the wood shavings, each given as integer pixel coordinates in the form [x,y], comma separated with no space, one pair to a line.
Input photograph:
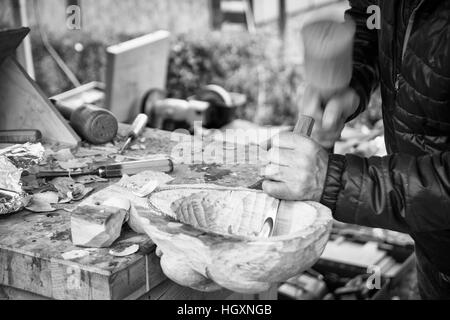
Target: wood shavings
[63,155]
[89,179]
[108,149]
[79,193]
[139,183]
[69,190]
[124,252]
[42,202]
[75,254]
[74,164]
[147,189]
[135,147]
[86,153]
[31,183]
[120,158]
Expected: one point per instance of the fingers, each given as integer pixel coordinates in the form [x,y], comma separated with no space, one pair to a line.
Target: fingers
[158,252]
[339,108]
[275,189]
[289,140]
[272,172]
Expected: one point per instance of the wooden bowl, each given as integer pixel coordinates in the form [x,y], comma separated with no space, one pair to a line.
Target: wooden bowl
[227,252]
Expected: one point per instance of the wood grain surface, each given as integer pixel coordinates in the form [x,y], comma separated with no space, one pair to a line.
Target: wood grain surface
[32,245]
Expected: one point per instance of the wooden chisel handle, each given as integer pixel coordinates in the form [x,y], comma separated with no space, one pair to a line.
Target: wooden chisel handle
[305,126]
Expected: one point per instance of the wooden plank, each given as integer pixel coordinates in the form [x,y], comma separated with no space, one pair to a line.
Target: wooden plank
[133,68]
[24,106]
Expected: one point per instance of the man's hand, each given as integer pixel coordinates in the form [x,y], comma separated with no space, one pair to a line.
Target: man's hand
[330,121]
[297,168]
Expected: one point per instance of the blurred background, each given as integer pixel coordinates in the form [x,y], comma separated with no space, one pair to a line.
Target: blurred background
[260,57]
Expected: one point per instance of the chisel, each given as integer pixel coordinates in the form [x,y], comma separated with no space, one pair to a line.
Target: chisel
[305,126]
[136,130]
[116,170]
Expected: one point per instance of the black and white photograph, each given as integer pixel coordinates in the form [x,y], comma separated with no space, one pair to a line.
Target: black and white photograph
[238,158]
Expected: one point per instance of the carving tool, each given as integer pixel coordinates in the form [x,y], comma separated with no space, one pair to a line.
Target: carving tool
[138,126]
[304,127]
[116,170]
[20,136]
[328,55]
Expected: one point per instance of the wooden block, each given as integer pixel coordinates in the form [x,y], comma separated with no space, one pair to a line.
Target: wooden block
[24,106]
[134,67]
[96,226]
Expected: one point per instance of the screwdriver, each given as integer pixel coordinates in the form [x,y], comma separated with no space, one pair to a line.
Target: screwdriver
[117,170]
[136,130]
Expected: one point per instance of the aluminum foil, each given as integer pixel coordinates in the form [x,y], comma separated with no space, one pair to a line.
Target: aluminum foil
[12,197]
[25,155]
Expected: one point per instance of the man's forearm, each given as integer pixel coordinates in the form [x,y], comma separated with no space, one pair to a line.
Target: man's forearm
[398,192]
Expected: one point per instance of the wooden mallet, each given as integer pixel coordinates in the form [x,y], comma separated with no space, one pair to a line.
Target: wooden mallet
[328,56]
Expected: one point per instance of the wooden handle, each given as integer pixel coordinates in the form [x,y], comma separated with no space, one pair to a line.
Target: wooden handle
[305,126]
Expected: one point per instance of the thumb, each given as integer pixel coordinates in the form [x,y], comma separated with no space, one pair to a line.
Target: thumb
[333,114]
[339,109]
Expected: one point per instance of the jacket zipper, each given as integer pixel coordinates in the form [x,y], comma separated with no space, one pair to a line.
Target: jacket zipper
[405,42]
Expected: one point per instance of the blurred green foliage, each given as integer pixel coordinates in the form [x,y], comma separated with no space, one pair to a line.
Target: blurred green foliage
[239,62]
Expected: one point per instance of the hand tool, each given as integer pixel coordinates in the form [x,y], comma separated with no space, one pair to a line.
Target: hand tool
[138,126]
[20,136]
[328,58]
[116,170]
[94,124]
[304,127]
[212,105]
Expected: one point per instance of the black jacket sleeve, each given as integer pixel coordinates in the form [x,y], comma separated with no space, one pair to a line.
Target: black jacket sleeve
[398,192]
[365,77]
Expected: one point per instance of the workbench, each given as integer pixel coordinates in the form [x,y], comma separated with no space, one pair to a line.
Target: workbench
[32,245]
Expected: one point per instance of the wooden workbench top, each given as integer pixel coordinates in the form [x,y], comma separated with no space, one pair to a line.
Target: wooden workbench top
[32,245]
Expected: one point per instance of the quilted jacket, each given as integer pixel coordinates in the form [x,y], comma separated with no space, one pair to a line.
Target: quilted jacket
[408,190]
